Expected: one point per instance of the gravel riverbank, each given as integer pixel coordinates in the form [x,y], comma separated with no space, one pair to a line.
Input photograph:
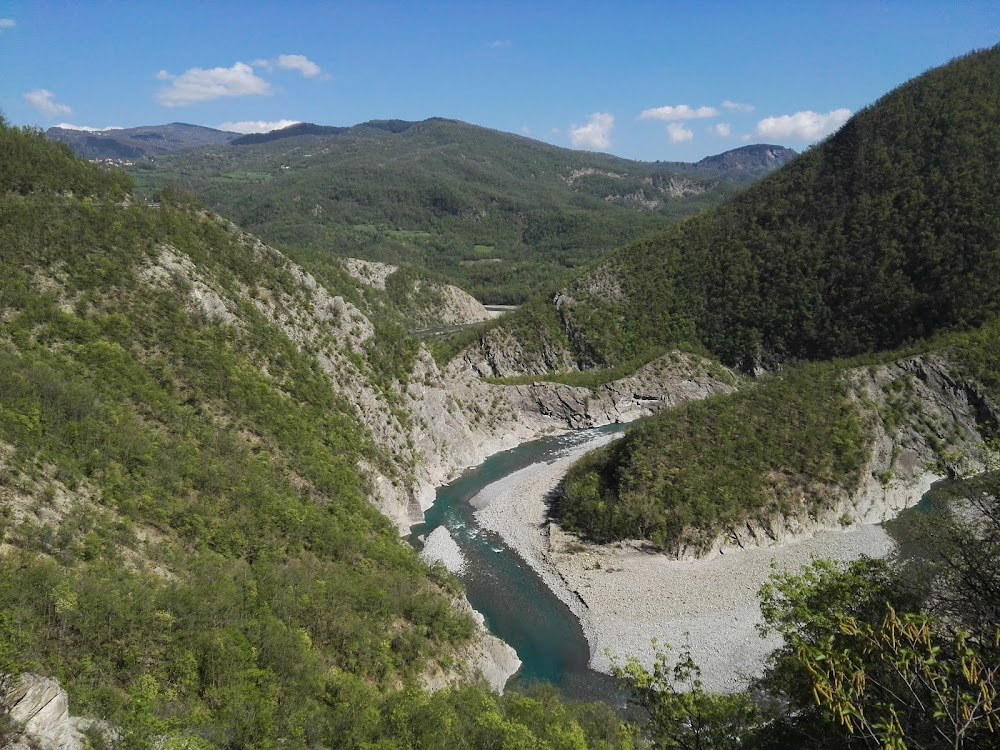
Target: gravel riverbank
[625,597]
[439,546]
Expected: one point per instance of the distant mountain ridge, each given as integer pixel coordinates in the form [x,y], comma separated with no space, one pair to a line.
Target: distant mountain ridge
[758,157]
[498,214]
[308,128]
[139,142]
[152,140]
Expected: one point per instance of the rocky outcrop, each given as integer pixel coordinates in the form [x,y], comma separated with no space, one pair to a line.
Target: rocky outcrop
[369,272]
[427,304]
[40,706]
[486,657]
[490,657]
[501,354]
[576,174]
[453,307]
[666,381]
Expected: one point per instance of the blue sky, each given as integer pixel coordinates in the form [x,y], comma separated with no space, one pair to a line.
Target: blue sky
[667,80]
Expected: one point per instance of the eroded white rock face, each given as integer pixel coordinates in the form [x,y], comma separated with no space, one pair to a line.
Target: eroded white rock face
[42,708]
[486,657]
[369,272]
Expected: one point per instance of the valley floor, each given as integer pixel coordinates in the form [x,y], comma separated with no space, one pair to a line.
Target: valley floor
[625,596]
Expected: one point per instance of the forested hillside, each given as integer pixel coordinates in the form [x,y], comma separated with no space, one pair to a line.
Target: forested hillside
[186,537]
[814,446]
[887,232]
[192,429]
[497,214]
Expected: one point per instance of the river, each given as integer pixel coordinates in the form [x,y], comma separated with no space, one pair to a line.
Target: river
[519,608]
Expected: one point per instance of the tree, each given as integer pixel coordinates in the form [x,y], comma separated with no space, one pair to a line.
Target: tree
[961,543]
[804,609]
[903,684]
[683,716]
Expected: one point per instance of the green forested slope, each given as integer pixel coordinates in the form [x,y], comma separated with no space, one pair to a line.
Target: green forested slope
[679,478]
[186,539]
[497,214]
[782,446]
[887,232]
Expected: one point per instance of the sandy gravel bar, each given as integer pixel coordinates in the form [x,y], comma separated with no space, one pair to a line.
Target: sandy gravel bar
[625,597]
[440,546]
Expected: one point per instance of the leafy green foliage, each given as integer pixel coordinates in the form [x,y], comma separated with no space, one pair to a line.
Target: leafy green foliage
[681,477]
[682,716]
[932,693]
[860,659]
[468,718]
[803,608]
[978,354]
[194,550]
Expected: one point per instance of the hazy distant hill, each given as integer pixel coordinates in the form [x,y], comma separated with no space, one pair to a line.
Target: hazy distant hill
[756,159]
[308,128]
[498,214]
[135,143]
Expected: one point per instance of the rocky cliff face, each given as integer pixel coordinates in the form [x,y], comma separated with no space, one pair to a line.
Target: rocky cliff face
[666,381]
[925,423]
[500,354]
[39,708]
[427,304]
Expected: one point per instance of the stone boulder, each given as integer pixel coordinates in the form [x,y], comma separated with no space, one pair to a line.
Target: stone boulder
[41,707]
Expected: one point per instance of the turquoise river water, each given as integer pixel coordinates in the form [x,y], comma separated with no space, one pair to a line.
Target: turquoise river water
[518,607]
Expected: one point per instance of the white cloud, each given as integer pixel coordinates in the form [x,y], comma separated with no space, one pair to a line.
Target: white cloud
[678,133]
[257,126]
[44,101]
[7,23]
[526,130]
[806,126]
[745,137]
[198,85]
[499,43]
[88,128]
[680,112]
[299,63]
[721,129]
[595,134]
[737,106]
